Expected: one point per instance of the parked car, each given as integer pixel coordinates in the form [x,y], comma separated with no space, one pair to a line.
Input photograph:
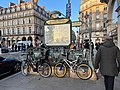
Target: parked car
[8,65]
[4,49]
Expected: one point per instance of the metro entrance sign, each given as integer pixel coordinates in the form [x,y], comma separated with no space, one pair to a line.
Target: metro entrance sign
[68,9]
[76,24]
[58,32]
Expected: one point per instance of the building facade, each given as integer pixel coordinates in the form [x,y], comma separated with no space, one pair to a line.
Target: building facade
[112,29]
[22,22]
[93,15]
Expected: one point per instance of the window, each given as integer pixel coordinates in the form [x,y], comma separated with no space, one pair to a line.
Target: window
[23,8]
[16,15]
[97,9]
[18,9]
[43,12]
[23,30]
[105,8]
[83,8]
[0,12]
[36,30]
[29,7]
[8,11]
[103,25]
[105,15]
[86,6]
[23,21]
[35,7]
[0,24]
[7,23]
[29,20]
[3,32]
[82,15]
[31,13]
[29,30]
[13,31]
[18,31]
[12,22]
[3,17]
[3,12]
[18,22]
[35,20]
[97,17]
[8,31]
[40,10]
[97,26]
[3,24]
[24,14]
[13,10]
[47,15]
[90,12]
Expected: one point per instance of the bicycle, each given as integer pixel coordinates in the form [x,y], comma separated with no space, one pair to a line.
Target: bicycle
[37,62]
[83,70]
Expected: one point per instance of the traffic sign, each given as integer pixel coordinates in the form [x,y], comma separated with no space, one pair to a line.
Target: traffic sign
[68,9]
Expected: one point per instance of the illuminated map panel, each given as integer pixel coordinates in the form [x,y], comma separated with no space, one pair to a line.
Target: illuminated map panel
[57,35]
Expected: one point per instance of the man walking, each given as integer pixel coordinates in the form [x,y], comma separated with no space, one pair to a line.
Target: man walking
[108,60]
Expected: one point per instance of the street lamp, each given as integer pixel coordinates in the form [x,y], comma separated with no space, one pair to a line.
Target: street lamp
[83,23]
[90,28]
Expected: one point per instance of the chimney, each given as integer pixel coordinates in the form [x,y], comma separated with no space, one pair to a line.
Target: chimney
[48,12]
[43,7]
[20,1]
[1,7]
[34,1]
[11,4]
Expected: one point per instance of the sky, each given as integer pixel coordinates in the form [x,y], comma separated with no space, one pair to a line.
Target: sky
[59,5]
[52,5]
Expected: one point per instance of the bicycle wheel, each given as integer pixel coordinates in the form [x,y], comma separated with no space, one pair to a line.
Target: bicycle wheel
[24,68]
[45,70]
[84,71]
[60,70]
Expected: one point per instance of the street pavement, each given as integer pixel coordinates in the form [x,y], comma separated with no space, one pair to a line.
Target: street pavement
[32,82]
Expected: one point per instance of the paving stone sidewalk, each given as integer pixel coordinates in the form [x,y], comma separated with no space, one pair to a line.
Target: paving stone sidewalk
[32,82]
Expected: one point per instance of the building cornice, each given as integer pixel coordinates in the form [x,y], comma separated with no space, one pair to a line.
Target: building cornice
[85,2]
[90,7]
[25,17]
[22,35]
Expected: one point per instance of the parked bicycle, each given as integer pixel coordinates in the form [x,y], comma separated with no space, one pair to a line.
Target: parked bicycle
[36,61]
[83,70]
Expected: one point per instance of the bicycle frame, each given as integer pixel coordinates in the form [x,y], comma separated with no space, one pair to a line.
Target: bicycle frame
[73,63]
[29,61]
